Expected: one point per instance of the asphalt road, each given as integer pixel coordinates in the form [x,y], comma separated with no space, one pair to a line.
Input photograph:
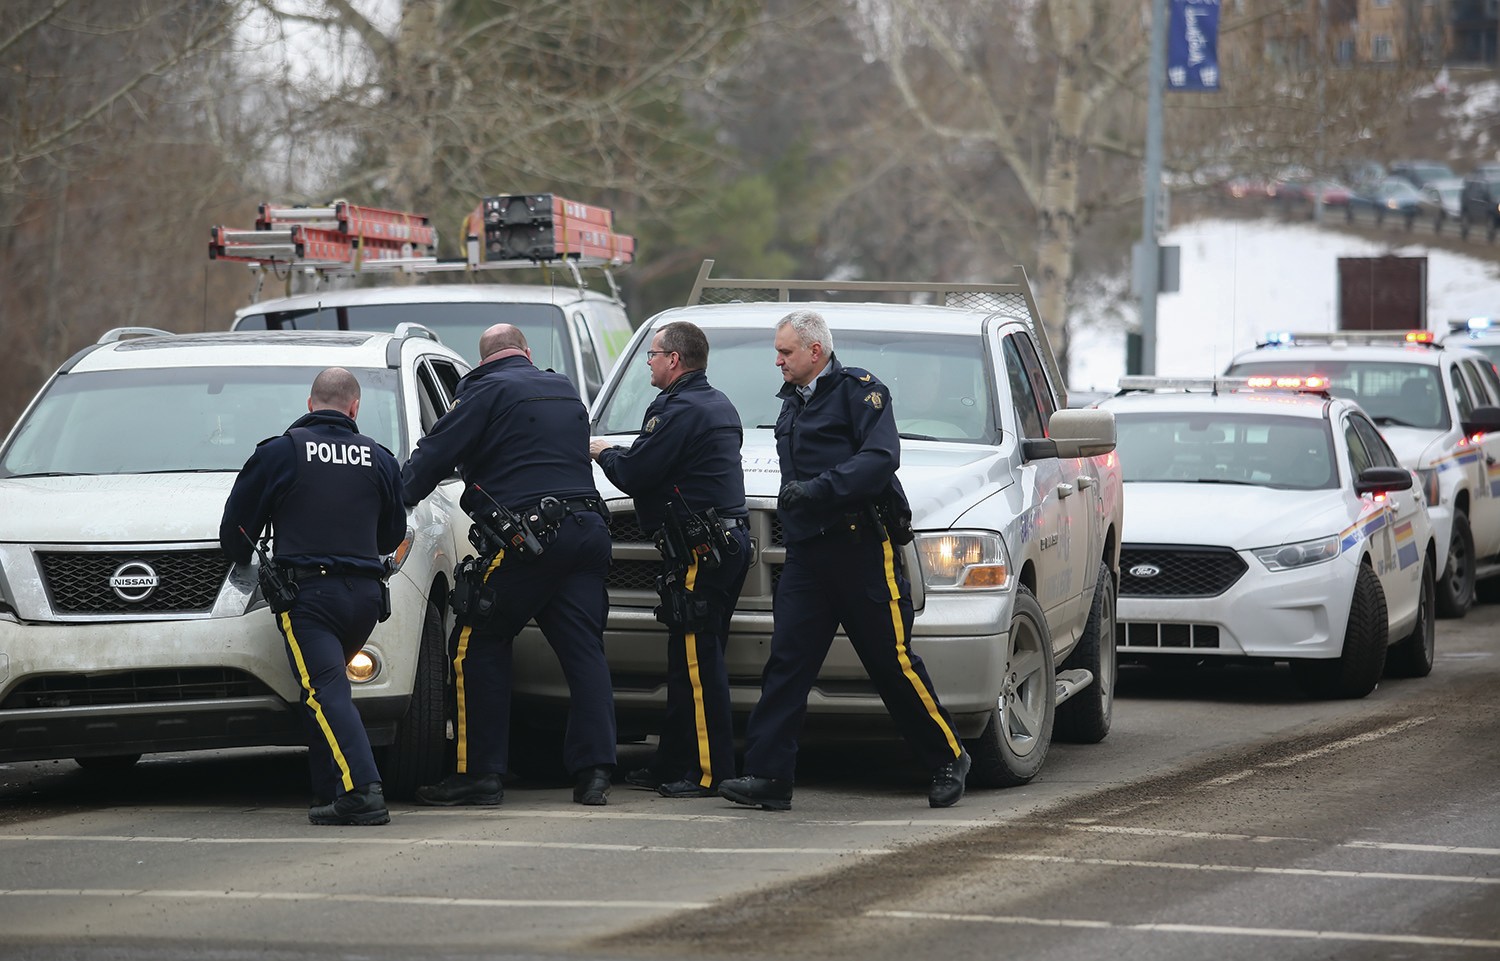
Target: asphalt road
[1225,817]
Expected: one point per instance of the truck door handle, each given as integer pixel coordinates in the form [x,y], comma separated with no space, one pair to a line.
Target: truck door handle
[1085,482]
[1064,490]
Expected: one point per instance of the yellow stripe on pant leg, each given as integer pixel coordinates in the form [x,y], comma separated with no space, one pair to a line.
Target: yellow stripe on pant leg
[900,627]
[312,701]
[460,689]
[700,714]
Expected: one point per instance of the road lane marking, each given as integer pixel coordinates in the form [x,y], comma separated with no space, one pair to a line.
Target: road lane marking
[437,842]
[1422,848]
[1269,839]
[322,896]
[1224,930]
[1329,748]
[1247,869]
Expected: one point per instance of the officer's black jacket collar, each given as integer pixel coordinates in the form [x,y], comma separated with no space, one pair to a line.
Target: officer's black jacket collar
[689,379]
[483,370]
[788,389]
[326,418]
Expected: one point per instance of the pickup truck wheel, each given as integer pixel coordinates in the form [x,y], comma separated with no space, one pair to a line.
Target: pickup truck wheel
[1014,743]
[1356,671]
[1455,589]
[108,763]
[1085,717]
[1412,656]
[418,756]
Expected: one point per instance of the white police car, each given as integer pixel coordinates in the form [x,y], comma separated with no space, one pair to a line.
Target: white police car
[1270,525]
[124,630]
[1476,333]
[1439,409]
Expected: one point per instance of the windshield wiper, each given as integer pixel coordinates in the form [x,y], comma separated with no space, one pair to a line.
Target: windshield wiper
[52,473]
[905,436]
[1220,480]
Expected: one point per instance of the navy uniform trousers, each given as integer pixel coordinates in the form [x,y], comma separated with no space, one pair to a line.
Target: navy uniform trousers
[828,581]
[563,591]
[697,736]
[328,623]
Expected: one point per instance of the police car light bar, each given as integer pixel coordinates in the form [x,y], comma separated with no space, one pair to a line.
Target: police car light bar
[1472,324]
[1309,384]
[1285,338]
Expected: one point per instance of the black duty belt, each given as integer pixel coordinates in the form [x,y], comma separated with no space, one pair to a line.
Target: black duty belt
[730,523]
[310,573]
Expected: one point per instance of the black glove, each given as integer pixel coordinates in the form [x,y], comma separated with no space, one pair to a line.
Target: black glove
[792,492]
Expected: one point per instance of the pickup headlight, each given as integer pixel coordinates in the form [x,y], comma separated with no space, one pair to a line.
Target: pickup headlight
[963,560]
[1288,556]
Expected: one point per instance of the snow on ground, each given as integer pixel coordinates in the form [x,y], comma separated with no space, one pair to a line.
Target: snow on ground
[1242,279]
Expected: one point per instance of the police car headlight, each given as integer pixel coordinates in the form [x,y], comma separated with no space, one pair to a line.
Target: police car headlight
[1431,488]
[963,560]
[401,553]
[1285,557]
[363,667]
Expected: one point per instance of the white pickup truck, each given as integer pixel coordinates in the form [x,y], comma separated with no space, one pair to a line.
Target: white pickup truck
[1016,501]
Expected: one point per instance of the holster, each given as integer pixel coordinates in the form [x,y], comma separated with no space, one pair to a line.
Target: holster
[681,610]
[279,590]
[471,599]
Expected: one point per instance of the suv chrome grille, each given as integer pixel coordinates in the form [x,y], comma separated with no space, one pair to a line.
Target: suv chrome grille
[1179,571]
[188,581]
[133,687]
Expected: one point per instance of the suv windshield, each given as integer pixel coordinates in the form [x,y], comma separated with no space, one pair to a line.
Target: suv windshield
[458,325]
[1294,453]
[1393,394]
[181,419]
[937,381]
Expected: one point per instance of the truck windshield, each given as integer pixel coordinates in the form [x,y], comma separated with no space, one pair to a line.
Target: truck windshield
[458,325]
[1393,394]
[167,420]
[1185,447]
[939,388]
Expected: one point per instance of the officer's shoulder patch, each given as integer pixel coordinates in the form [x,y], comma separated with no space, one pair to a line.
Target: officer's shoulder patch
[875,399]
[651,425]
[859,374]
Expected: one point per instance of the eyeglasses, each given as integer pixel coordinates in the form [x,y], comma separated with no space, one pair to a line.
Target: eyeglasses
[657,353]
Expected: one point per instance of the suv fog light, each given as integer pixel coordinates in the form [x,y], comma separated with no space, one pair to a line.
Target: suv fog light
[364,666]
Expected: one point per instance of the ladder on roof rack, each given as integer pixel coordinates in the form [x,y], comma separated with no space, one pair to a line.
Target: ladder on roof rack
[1012,299]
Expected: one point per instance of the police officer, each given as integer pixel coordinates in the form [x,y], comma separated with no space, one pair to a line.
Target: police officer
[333,497]
[684,467]
[840,506]
[519,437]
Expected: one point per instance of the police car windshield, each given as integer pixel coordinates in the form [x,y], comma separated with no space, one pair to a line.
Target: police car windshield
[1394,394]
[181,419]
[938,382]
[1290,453]
[457,325]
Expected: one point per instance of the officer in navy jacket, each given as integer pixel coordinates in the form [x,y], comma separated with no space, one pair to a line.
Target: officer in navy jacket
[333,497]
[519,435]
[686,461]
[839,504]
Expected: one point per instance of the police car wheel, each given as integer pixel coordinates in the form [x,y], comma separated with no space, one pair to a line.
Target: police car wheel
[1412,656]
[1455,588]
[1013,745]
[1085,717]
[108,763]
[418,754]
[1357,669]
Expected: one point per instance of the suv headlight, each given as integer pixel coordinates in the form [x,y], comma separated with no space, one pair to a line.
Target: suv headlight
[1288,556]
[963,560]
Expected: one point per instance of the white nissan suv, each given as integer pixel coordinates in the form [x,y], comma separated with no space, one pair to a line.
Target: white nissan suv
[124,629]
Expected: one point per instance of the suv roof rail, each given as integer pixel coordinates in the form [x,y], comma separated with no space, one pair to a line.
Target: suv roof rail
[120,333]
[407,329]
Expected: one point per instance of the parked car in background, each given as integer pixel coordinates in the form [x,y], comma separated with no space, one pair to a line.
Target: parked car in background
[1270,525]
[1479,206]
[1361,173]
[1301,196]
[1441,202]
[1476,333]
[1419,173]
[1391,199]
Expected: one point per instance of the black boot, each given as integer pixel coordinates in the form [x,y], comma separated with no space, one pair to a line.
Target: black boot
[948,782]
[483,790]
[363,805]
[592,785]
[766,793]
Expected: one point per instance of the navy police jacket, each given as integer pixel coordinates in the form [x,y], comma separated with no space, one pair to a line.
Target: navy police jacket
[332,494]
[686,456]
[841,444]
[517,432]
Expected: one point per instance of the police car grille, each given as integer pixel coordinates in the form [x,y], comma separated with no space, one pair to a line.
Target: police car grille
[188,581]
[1181,571]
[1146,634]
[133,687]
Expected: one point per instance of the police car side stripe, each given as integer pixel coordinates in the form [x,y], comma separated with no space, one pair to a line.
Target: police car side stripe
[312,700]
[900,628]
[700,718]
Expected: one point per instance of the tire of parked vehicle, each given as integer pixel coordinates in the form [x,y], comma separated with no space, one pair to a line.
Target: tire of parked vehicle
[1357,669]
[1412,655]
[1011,749]
[1085,717]
[108,763]
[1455,588]
[419,754]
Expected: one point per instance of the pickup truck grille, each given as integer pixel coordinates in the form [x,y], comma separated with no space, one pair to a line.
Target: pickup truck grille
[1150,570]
[133,687]
[188,581]
[632,575]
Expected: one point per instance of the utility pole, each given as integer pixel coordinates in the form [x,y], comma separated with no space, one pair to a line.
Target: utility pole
[1320,63]
[1148,252]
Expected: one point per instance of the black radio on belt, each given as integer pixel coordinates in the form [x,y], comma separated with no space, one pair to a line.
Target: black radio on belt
[278,589]
[498,528]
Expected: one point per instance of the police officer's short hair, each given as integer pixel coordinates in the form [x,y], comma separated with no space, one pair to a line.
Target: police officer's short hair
[688,341]
[810,327]
[501,337]
[334,388]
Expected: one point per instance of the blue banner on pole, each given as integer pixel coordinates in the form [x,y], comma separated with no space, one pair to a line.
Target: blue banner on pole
[1193,45]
